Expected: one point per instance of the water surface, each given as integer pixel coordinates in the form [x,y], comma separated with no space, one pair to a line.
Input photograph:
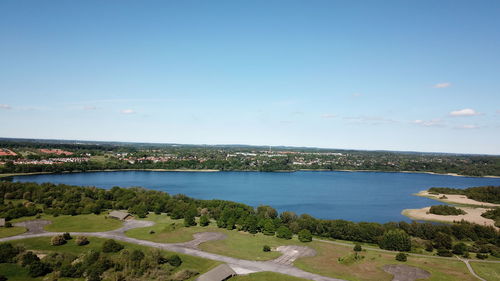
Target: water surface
[356,196]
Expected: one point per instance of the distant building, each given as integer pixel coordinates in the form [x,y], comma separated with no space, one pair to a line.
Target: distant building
[219,273]
[2,222]
[120,215]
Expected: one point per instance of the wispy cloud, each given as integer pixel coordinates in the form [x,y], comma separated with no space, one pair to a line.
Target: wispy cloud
[372,120]
[328,116]
[127,111]
[429,123]
[5,106]
[442,85]
[467,127]
[464,112]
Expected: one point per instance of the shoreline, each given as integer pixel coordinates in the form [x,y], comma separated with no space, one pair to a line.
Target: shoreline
[277,171]
[456,199]
[473,215]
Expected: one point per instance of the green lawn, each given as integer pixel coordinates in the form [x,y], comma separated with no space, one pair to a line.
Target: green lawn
[11,231]
[266,276]
[79,223]
[489,271]
[42,245]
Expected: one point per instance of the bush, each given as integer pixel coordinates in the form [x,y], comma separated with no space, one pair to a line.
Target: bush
[481,256]
[204,220]
[8,252]
[57,240]
[305,235]
[284,232]
[81,240]
[28,258]
[429,247]
[401,257]
[38,268]
[3,278]
[266,248]
[444,252]
[396,240]
[8,224]
[111,246]
[174,260]
[357,248]
[459,249]
[67,236]
[445,210]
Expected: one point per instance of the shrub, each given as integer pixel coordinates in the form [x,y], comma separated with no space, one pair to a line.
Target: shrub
[444,252]
[3,278]
[8,224]
[266,248]
[396,240]
[38,268]
[481,256]
[111,246]
[28,258]
[67,236]
[136,255]
[57,240]
[357,248]
[269,228]
[174,260]
[442,240]
[284,232]
[184,274]
[305,235]
[429,247]
[459,249]
[204,220]
[81,240]
[401,257]
[152,232]
[445,210]
[8,252]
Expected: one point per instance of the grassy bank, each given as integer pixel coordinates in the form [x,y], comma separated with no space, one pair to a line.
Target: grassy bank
[79,223]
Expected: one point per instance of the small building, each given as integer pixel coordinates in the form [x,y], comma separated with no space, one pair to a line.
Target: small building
[120,215]
[219,273]
[2,222]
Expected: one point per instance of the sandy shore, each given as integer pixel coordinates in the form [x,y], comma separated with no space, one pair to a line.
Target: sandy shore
[473,215]
[455,199]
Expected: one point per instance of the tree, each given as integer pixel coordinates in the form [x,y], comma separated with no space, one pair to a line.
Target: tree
[269,228]
[38,268]
[396,240]
[8,252]
[189,217]
[136,256]
[58,240]
[401,257]
[357,248]
[111,246]
[459,249]
[305,235]
[444,252]
[174,260]
[28,258]
[442,240]
[284,232]
[204,220]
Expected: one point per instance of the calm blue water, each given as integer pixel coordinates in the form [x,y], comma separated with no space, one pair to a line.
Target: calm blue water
[356,196]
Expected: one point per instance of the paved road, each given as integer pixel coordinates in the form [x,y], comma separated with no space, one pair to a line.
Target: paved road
[118,234]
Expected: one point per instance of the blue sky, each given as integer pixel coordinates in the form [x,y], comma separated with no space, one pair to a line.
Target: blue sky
[397,75]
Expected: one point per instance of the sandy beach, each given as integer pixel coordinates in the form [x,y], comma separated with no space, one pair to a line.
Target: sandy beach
[473,215]
[455,199]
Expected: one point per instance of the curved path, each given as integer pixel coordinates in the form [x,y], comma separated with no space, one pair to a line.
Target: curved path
[34,230]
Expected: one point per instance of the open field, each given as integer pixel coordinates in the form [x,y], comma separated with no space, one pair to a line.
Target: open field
[489,271]
[265,276]
[11,231]
[79,223]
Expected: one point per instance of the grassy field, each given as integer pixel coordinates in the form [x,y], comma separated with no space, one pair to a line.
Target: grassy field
[11,231]
[79,223]
[42,245]
[266,276]
[489,271]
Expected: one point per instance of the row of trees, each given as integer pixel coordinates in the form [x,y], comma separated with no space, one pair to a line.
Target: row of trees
[72,200]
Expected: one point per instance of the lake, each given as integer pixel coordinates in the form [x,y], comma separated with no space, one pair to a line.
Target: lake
[355,196]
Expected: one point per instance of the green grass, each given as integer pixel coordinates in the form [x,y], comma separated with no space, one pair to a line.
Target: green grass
[79,223]
[15,272]
[42,245]
[267,276]
[489,271]
[11,231]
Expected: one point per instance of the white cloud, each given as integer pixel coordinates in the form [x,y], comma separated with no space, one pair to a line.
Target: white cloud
[127,111]
[328,116]
[442,85]
[464,112]
[5,106]
[467,126]
[429,123]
